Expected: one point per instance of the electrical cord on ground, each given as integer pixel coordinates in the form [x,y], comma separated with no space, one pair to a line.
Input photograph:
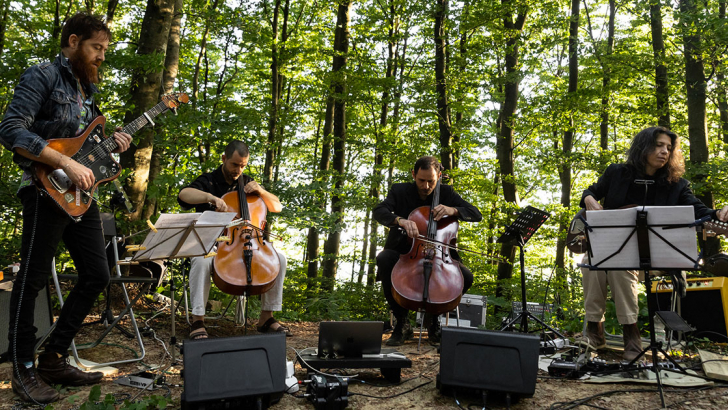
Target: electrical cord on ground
[392,396]
[584,401]
[694,335]
[565,405]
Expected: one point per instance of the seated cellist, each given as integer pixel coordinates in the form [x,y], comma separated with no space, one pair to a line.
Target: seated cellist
[204,194]
[401,200]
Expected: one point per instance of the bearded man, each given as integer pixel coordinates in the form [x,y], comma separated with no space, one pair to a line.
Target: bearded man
[56,100]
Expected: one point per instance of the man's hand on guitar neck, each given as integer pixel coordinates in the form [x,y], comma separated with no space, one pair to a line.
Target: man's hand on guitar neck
[722,214]
[592,204]
[123,140]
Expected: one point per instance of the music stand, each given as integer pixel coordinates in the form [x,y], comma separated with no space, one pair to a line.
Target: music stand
[177,236]
[520,231]
[645,238]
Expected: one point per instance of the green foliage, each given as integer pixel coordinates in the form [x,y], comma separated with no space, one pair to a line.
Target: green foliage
[229,80]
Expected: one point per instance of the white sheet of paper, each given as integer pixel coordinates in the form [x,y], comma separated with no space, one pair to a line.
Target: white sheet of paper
[170,229]
[606,241]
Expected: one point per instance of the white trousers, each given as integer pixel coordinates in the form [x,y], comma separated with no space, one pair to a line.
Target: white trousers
[200,272]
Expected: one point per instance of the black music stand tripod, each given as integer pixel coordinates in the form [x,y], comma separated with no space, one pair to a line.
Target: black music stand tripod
[178,236]
[647,235]
[520,231]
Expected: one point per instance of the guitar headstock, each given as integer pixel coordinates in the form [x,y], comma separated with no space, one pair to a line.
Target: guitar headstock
[172,101]
[715,227]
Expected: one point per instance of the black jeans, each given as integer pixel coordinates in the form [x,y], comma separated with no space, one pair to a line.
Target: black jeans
[385,263]
[43,228]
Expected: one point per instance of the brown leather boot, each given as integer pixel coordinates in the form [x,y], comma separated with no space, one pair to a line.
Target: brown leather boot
[56,370]
[31,388]
[595,335]
[632,341]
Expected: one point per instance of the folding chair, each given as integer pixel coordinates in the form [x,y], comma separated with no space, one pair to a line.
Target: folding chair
[108,320]
[239,307]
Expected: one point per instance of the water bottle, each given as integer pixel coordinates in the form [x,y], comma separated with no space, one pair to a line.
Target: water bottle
[659,330]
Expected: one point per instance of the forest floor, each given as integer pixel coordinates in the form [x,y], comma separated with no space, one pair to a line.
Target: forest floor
[417,390]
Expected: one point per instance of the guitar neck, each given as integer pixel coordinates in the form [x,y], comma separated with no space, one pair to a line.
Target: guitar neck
[139,123]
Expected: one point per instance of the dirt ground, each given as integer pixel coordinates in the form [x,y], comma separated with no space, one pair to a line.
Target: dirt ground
[417,390]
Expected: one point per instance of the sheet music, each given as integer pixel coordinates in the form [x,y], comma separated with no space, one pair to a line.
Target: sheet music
[171,228]
[605,241]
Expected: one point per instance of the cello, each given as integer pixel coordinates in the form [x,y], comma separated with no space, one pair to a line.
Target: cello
[246,264]
[427,277]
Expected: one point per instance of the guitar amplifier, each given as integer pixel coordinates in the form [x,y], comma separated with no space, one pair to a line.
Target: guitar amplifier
[472,312]
[43,316]
[705,306]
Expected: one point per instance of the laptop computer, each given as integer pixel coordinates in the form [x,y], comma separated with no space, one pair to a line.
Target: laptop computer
[349,339]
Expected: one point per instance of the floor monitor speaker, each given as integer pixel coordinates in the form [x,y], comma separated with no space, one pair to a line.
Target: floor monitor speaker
[488,361]
[234,372]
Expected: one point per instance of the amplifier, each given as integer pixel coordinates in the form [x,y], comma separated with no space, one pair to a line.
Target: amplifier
[43,316]
[705,306]
[472,312]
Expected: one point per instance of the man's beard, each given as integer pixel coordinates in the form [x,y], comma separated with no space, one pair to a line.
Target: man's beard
[229,175]
[86,72]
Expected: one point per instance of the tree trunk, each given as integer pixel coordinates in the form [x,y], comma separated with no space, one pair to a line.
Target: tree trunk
[171,68]
[110,13]
[341,48]
[443,113]
[567,144]
[504,143]
[145,89]
[696,87]
[312,244]
[4,7]
[203,50]
[270,148]
[662,92]
[722,86]
[606,79]
[364,244]
[58,20]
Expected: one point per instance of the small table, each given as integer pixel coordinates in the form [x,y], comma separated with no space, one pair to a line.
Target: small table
[390,362]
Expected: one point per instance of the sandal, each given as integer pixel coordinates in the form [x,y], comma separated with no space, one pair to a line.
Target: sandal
[198,330]
[266,328]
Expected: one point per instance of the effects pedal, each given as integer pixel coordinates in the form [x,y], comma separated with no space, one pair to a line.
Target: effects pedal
[327,395]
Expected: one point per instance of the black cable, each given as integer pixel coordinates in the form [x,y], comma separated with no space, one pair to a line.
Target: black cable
[392,396]
[401,382]
[711,332]
[584,401]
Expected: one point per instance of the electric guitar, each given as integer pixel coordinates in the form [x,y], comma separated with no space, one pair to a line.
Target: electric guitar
[91,149]
[714,228]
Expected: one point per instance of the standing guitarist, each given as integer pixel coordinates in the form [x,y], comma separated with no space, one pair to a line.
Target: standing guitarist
[654,155]
[56,100]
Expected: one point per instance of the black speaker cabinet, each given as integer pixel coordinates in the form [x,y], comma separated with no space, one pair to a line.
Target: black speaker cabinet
[43,318]
[234,372]
[488,360]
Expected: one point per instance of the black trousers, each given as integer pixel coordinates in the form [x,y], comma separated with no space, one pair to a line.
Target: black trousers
[385,263]
[43,228]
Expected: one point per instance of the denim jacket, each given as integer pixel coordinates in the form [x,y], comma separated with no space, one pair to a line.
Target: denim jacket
[44,106]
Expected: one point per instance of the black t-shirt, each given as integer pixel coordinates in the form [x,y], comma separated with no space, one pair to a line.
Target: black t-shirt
[213,183]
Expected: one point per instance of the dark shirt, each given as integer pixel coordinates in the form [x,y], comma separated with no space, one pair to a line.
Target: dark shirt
[45,106]
[616,186]
[213,183]
[404,198]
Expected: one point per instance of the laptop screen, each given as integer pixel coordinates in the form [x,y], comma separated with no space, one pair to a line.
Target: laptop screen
[349,339]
